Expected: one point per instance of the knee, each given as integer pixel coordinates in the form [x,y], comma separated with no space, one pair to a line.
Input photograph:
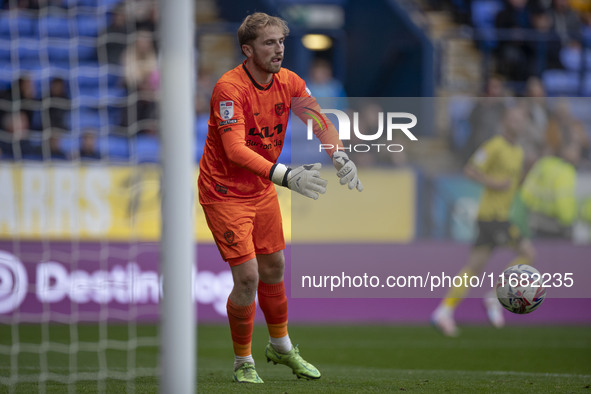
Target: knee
[247,280]
[271,270]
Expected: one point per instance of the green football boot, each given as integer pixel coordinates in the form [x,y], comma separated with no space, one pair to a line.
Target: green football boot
[300,367]
[247,374]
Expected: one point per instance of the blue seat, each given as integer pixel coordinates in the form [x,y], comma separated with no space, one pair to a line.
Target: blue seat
[87,118]
[89,3]
[54,26]
[25,25]
[115,146]
[111,3]
[484,13]
[86,81]
[28,49]
[5,54]
[28,54]
[70,143]
[90,25]
[58,53]
[86,52]
[30,65]
[147,149]
[561,82]
[587,86]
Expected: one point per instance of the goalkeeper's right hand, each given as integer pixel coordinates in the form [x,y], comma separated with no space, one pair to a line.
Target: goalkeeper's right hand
[304,179]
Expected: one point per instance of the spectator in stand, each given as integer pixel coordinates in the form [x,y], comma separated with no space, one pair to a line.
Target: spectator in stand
[484,118]
[21,4]
[89,149]
[146,15]
[53,149]
[22,95]
[515,55]
[566,22]
[567,26]
[113,41]
[140,62]
[322,84]
[142,81]
[532,139]
[59,106]
[141,114]
[14,143]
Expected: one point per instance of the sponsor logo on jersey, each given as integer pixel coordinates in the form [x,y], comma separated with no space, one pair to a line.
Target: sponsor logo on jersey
[225,122]
[227,109]
[221,189]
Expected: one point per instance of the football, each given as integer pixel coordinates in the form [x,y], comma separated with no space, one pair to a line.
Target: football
[519,289]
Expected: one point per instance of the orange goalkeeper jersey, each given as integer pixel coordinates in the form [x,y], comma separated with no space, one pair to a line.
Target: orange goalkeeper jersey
[246,132]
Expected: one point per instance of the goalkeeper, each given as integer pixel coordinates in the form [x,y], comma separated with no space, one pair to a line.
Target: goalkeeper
[250,108]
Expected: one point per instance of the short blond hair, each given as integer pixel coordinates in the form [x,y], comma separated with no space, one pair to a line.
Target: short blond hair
[249,29]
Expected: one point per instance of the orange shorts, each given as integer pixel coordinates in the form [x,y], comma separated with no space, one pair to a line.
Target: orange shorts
[244,229]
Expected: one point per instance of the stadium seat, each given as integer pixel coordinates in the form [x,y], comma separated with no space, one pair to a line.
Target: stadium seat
[87,118]
[90,25]
[115,146]
[484,13]
[54,26]
[85,81]
[147,149]
[587,87]
[86,52]
[572,58]
[5,52]
[13,22]
[28,54]
[70,142]
[89,3]
[58,52]
[561,82]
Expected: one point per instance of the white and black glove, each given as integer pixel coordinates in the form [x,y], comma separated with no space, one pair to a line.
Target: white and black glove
[304,179]
[346,170]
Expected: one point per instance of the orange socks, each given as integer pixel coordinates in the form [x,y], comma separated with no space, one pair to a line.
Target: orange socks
[241,320]
[273,303]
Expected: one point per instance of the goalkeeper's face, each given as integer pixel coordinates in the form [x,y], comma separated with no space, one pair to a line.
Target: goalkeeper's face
[267,49]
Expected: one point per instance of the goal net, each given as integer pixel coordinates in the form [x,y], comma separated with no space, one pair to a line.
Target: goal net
[80,196]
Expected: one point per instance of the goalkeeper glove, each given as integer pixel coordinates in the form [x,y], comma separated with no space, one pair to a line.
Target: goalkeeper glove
[346,170]
[304,179]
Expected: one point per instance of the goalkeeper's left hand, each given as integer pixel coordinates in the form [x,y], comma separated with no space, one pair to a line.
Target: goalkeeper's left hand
[346,170]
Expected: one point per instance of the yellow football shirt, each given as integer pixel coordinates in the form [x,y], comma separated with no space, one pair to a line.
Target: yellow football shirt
[500,159]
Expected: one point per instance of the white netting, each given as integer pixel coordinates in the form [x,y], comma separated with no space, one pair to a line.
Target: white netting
[79,282]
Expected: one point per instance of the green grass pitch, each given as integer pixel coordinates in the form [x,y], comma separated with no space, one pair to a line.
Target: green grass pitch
[352,359]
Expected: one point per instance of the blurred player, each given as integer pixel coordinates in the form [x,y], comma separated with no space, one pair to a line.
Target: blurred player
[498,166]
[250,108]
[549,194]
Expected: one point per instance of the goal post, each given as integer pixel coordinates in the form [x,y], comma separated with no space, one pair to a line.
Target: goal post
[178,334]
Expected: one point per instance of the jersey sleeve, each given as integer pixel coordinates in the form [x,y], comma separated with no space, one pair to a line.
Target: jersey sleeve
[305,107]
[484,155]
[229,117]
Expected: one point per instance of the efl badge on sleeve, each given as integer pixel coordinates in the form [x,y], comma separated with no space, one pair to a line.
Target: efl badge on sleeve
[226,109]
